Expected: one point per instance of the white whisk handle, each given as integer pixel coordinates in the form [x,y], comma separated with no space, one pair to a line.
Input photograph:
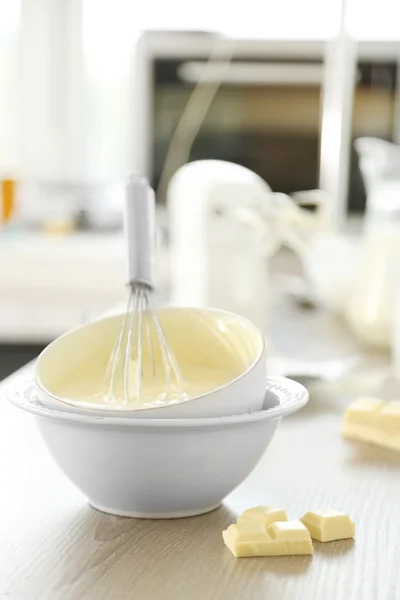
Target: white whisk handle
[140,233]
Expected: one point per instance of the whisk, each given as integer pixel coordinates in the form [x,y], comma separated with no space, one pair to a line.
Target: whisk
[140,325]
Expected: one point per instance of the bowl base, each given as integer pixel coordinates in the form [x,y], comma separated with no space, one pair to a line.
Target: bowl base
[143,515]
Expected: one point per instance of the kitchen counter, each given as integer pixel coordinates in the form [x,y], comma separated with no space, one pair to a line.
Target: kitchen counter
[50,283]
[54,546]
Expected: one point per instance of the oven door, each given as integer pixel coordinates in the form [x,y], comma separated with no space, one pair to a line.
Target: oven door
[265,116]
[267,112]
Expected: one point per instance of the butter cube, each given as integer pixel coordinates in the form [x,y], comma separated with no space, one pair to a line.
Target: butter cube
[388,418]
[373,421]
[328,525]
[363,410]
[264,515]
[282,539]
[365,406]
[387,426]
[360,418]
[288,531]
[247,539]
[290,537]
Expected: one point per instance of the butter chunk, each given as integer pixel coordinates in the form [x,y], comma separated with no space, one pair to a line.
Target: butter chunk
[360,419]
[282,539]
[363,410]
[373,421]
[388,418]
[386,431]
[264,515]
[290,537]
[328,525]
[247,539]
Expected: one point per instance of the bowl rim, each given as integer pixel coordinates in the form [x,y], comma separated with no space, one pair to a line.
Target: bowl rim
[251,367]
[291,397]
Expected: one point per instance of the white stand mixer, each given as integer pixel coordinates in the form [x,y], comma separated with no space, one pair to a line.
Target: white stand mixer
[218,246]
[225,222]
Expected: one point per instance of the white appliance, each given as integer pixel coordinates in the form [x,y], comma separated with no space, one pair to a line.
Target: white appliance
[72,145]
[218,247]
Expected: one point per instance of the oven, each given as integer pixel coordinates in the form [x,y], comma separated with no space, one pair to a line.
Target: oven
[266,114]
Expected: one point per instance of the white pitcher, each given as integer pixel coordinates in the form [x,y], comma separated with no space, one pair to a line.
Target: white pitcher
[369,311]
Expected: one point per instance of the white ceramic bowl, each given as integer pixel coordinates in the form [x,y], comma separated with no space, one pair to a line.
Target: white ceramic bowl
[161,468]
[208,336]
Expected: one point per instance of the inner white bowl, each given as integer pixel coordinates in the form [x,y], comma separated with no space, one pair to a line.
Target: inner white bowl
[198,336]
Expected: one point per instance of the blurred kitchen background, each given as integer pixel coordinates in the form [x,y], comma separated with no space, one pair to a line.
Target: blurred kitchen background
[305,96]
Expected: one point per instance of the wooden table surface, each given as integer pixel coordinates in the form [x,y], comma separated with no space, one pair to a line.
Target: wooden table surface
[54,546]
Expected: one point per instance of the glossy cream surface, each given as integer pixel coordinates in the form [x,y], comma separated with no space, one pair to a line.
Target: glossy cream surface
[209,348]
[154,391]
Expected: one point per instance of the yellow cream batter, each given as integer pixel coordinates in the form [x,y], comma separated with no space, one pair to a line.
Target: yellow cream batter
[211,348]
[197,380]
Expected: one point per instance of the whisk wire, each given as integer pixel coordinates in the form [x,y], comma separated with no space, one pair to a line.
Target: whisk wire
[167,368]
[139,376]
[139,319]
[149,338]
[168,357]
[114,361]
[172,362]
[141,341]
[132,325]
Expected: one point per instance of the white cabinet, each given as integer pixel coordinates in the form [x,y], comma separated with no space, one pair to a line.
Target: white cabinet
[50,284]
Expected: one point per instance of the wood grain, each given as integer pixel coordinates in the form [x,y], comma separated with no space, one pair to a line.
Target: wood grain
[54,546]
